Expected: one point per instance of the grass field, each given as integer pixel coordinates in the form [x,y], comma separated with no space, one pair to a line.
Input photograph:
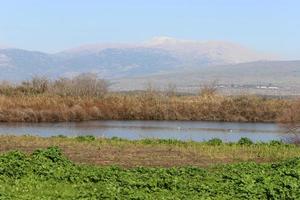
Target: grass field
[148,169]
[151,152]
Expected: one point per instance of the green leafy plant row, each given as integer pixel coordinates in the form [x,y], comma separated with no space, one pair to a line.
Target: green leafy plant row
[47,174]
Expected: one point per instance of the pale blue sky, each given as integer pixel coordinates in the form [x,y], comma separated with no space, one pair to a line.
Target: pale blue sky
[54,25]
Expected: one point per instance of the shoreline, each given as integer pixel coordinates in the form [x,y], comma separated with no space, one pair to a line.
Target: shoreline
[143,120]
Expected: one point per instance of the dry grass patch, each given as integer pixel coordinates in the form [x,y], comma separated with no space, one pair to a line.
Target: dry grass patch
[55,108]
[154,153]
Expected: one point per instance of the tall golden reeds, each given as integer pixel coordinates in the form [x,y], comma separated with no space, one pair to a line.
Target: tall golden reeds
[86,97]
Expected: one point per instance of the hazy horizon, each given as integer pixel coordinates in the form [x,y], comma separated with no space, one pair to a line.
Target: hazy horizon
[53,26]
[148,42]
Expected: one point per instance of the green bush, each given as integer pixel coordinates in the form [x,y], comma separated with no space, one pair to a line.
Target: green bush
[170,141]
[215,141]
[114,138]
[162,141]
[14,164]
[245,141]
[87,138]
[59,136]
[276,142]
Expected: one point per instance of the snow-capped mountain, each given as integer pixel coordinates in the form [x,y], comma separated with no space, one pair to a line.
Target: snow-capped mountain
[156,56]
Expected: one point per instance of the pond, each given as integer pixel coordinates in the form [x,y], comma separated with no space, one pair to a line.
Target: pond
[133,130]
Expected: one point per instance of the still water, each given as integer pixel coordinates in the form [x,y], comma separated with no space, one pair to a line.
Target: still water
[133,130]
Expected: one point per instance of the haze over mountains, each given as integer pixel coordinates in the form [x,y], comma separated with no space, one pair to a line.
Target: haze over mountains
[161,60]
[161,54]
[277,78]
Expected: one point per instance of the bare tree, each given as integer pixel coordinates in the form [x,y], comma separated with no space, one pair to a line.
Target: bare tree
[86,84]
[171,90]
[209,89]
[37,84]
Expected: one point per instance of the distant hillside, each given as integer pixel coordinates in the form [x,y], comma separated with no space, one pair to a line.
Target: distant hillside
[264,77]
[157,56]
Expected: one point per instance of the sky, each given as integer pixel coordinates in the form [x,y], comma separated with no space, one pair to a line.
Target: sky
[53,25]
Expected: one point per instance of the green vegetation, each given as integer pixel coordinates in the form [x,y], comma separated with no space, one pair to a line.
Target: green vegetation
[86,138]
[215,141]
[154,152]
[245,141]
[47,174]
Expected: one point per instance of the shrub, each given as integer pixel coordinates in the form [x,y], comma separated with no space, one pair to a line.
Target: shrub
[209,89]
[275,142]
[162,141]
[215,141]
[170,141]
[115,138]
[36,85]
[59,136]
[148,141]
[245,141]
[86,84]
[54,154]
[86,138]
[13,164]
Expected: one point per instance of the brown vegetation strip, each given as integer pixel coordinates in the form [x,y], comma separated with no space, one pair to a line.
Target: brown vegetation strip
[86,97]
[145,106]
[136,153]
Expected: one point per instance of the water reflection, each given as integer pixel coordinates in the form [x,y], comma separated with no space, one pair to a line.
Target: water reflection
[181,130]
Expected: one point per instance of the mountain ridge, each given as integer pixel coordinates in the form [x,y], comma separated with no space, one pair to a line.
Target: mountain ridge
[114,60]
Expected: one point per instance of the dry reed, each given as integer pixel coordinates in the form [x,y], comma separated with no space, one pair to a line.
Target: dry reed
[144,106]
[86,97]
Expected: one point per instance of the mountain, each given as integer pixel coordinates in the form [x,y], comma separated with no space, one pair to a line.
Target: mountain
[261,77]
[156,56]
[120,62]
[17,64]
[207,52]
